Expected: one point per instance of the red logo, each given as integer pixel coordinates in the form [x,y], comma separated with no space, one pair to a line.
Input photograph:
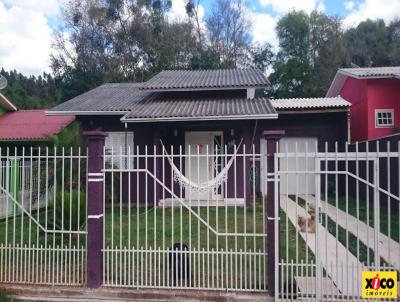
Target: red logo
[376,282]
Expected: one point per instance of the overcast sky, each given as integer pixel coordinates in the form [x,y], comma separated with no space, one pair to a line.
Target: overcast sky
[26,25]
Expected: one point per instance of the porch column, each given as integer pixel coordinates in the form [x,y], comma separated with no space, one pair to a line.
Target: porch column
[272,137]
[95,181]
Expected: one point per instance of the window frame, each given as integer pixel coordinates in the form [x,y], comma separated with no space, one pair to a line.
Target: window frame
[117,160]
[377,111]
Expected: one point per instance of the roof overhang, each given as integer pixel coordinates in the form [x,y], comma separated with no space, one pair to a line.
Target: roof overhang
[201,89]
[39,139]
[200,118]
[341,76]
[6,103]
[312,111]
[86,112]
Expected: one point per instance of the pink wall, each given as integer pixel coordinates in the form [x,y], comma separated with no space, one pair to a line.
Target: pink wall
[355,91]
[366,96]
[383,94]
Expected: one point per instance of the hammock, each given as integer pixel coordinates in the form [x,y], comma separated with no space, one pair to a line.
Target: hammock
[204,186]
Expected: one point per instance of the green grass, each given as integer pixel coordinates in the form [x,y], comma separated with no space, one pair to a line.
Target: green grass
[165,227]
[388,223]
[289,239]
[170,225]
[4,297]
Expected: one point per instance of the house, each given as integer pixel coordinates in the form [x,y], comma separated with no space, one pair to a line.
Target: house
[374,93]
[32,126]
[213,110]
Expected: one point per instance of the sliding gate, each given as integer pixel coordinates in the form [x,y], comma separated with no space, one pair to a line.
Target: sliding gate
[184,218]
[348,224]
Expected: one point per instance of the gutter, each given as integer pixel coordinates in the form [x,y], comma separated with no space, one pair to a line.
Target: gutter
[86,112]
[205,118]
[300,111]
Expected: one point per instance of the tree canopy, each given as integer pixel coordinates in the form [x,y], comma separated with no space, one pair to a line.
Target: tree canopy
[123,40]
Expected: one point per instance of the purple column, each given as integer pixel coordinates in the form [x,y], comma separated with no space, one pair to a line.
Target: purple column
[95,182]
[272,137]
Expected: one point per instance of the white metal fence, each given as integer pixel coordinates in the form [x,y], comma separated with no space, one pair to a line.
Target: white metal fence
[348,224]
[42,216]
[196,218]
[189,218]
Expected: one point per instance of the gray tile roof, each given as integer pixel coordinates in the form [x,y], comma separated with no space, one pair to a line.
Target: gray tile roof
[361,73]
[110,98]
[162,108]
[310,103]
[372,72]
[126,98]
[206,79]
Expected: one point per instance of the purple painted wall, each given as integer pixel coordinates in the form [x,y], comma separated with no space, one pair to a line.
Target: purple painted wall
[327,127]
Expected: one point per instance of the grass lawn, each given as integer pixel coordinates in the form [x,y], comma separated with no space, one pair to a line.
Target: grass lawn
[158,227]
[388,223]
[125,228]
[170,225]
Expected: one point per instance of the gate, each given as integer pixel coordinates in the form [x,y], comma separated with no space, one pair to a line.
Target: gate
[184,218]
[42,216]
[347,225]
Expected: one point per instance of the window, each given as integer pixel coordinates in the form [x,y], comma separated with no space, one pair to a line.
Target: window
[118,146]
[384,118]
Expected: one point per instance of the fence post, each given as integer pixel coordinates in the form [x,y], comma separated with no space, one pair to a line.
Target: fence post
[95,181]
[272,205]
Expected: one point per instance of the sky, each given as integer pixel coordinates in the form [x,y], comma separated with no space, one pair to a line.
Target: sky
[26,26]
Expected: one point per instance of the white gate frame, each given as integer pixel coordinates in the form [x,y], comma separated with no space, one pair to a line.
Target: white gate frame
[326,157]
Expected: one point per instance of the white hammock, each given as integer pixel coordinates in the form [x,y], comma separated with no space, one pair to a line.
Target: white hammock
[204,186]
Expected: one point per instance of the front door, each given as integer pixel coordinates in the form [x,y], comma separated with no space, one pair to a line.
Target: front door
[203,162]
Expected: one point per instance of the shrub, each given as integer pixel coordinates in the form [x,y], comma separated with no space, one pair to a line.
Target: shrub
[66,207]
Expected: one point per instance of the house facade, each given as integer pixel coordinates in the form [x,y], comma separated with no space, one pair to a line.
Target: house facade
[194,112]
[375,97]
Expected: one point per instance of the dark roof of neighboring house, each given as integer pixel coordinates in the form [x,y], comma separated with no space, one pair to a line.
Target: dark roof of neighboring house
[138,105]
[31,125]
[310,103]
[165,108]
[361,73]
[6,103]
[206,79]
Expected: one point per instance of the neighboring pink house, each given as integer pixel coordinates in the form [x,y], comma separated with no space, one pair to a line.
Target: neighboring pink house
[375,97]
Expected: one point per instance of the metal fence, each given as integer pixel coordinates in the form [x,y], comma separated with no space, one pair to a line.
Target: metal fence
[43,216]
[329,232]
[196,217]
[177,218]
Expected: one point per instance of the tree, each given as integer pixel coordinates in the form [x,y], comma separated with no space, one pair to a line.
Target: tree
[394,42]
[118,40]
[31,92]
[367,44]
[327,53]
[228,32]
[262,56]
[311,51]
[292,65]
